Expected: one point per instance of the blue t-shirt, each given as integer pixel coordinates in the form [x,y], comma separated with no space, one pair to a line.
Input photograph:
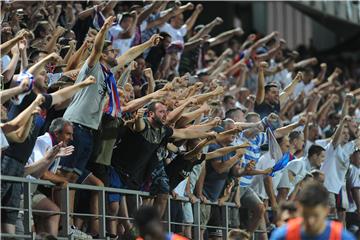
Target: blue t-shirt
[280,234]
[214,182]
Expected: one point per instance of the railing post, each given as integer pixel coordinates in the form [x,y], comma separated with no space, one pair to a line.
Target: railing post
[27,205]
[65,207]
[225,220]
[196,214]
[102,212]
[168,213]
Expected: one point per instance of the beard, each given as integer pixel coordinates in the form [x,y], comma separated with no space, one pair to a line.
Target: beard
[112,62]
[158,121]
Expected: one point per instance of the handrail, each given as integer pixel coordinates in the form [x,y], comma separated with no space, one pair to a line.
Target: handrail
[65,212]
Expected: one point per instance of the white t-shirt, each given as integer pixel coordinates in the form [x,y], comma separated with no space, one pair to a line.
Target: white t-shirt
[123,44]
[321,142]
[176,34]
[353,178]
[295,168]
[301,87]
[180,188]
[43,143]
[336,164]
[257,183]
[3,141]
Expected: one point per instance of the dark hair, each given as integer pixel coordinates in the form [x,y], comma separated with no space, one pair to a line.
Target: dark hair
[125,15]
[294,135]
[227,98]
[230,113]
[288,206]
[164,35]
[314,194]
[269,86]
[144,216]
[315,149]
[280,140]
[152,106]
[106,45]
[35,53]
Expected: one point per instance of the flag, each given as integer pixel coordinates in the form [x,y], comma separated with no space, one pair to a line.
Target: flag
[99,19]
[281,163]
[113,107]
[274,147]
[18,98]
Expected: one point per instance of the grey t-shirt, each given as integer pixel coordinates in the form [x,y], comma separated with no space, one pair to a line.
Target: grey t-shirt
[86,107]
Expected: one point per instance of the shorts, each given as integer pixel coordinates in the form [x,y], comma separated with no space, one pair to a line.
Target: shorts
[234,215]
[37,198]
[338,201]
[101,172]
[205,211]
[160,182]
[83,144]
[215,221]
[188,213]
[177,215]
[114,182]
[10,191]
[248,198]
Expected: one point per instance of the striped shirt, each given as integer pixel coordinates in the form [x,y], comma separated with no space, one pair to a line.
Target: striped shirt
[252,153]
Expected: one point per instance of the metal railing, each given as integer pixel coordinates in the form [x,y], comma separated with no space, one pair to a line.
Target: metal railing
[66,214]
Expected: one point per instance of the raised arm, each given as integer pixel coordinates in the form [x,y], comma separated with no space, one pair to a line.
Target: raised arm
[99,42]
[207,29]
[305,63]
[23,55]
[260,93]
[147,11]
[64,94]
[21,119]
[222,167]
[5,95]
[225,150]
[280,132]
[185,133]
[197,149]
[135,104]
[225,36]
[289,89]
[174,115]
[8,73]
[186,118]
[49,47]
[192,19]
[135,51]
[139,120]
[6,46]
[150,79]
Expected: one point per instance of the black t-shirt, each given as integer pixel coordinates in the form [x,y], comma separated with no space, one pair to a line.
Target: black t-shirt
[180,168]
[135,150]
[154,57]
[22,151]
[264,109]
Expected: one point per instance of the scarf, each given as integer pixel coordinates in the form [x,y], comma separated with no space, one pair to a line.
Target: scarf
[19,98]
[113,107]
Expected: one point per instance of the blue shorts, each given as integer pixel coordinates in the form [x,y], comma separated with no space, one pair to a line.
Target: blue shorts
[83,144]
[115,182]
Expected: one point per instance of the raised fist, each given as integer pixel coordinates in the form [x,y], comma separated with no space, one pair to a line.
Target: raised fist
[155,39]
[148,73]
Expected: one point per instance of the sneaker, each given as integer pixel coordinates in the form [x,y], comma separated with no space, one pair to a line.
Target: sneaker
[112,236]
[75,233]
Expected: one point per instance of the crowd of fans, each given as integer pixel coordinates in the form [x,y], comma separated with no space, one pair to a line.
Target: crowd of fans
[134,96]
